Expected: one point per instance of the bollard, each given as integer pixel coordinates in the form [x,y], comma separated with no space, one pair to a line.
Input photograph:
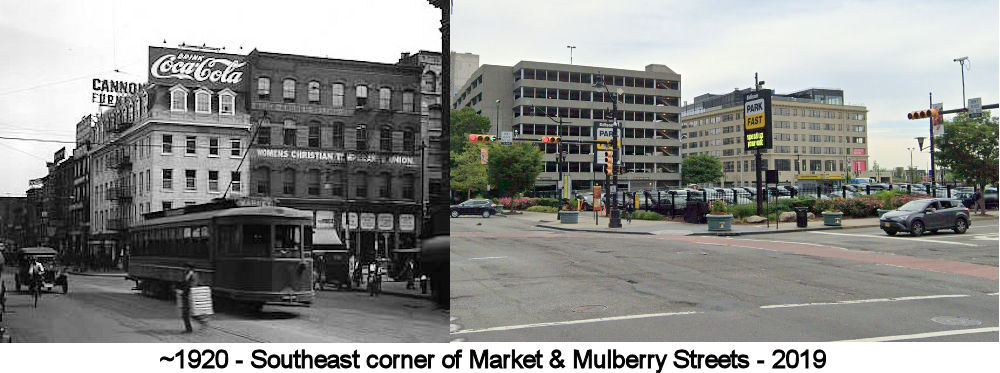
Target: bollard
[819,192]
[868,189]
[673,204]
[735,200]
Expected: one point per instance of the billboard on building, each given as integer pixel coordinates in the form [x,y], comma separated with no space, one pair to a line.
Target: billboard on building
[192,67]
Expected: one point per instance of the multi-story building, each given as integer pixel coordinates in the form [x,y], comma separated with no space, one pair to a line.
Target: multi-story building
[58,196]
[431,147]
[814,133]
[13,215]
[525,96]
[340,138]
[462,67]
[79,207]
[180,141]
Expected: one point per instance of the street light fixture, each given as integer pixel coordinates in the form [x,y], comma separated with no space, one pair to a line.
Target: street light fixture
[961,62]
[615,220]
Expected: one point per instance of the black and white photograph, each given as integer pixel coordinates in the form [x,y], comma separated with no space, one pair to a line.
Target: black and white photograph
[225,171]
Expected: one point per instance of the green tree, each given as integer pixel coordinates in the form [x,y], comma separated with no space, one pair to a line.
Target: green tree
[464,122]
[699,169]
[468,174]
[513,169]
[969,149]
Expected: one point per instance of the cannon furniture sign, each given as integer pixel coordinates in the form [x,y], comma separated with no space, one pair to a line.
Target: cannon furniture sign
[757,120]
[172,66]
[108,92]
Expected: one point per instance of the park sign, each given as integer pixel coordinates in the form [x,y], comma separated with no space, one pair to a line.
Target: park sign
[757,120]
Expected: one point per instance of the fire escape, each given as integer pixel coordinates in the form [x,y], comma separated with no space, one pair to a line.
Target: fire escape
[120,194]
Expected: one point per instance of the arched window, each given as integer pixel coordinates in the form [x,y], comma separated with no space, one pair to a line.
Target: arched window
[227,102]
[314,92]
[178,98]
[361,185]
[288,90]
[361,95]
[408,102]
[263,87]
[361,137]
[262,180]
[288,181]
[429,82]
[338,95]
[408,187]
[338,135]
[384,98]
[408,141]
[203,101]
[313,187]
[385,139]
[385,186]
[336,181]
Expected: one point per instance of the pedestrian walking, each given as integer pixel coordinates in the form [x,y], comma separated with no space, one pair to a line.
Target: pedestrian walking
[976,200]
[190,281]
[629,209]
[410,272]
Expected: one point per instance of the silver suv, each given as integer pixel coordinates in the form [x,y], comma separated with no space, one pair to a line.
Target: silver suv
[926,215]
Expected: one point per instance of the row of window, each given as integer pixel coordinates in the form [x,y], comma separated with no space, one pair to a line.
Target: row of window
[638,167]
[780,111]
[586,131]
[332,183]
[191,180]
[336,99]
[600,114]
[289,136]
[191,145]
[591,96]
[202,100]
[249,240]
[588,78]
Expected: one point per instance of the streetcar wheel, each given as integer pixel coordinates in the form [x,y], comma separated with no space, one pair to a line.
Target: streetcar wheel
[454,214]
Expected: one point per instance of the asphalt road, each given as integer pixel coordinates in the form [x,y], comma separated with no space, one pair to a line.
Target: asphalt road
[512,281]
[105,309]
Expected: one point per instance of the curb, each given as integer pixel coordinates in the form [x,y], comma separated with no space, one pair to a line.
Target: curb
[590,230]
[728,234]
[122,275]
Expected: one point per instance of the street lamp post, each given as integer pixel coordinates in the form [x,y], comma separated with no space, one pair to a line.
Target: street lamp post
[909,173]
[498,119]
[559,154]
[961,63]
[615,220]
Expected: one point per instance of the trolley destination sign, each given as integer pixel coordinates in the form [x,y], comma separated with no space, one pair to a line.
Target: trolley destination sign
[757,120]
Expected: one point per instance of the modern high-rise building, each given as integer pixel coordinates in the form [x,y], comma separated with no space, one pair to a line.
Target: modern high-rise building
[817,138]
[531,98]
[462,67]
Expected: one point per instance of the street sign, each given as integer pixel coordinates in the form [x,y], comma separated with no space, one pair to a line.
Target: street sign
[604,134]
[975,107]
[506,138]
[937,123]
[484,155]
[757,120]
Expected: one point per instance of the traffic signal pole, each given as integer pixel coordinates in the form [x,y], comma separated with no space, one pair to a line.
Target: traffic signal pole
[930,128]
[932,114]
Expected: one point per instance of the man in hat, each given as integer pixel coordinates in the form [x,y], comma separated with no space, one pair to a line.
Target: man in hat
[190,281]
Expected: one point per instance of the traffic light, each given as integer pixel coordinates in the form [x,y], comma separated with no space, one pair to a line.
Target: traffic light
[480,138]
[609,163]
[923,114]
[551,139]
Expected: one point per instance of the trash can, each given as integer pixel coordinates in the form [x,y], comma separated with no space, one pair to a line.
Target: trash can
[569,217]
[801,217]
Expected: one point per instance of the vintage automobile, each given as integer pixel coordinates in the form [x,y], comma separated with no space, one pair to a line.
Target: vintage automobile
[54,274]
[333,268]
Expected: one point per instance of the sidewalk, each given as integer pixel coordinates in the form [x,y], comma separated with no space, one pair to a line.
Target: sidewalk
[98,273]
[398,288]
[678,227]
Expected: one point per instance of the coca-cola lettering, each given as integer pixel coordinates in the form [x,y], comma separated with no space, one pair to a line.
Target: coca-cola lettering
[197,68]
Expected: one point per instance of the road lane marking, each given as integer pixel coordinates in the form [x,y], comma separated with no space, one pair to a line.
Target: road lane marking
[859,301]
[923,335]
[895,238]
[572,322]
[488,258]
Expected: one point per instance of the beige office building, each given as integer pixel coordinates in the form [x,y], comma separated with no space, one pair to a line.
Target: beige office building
[815,136]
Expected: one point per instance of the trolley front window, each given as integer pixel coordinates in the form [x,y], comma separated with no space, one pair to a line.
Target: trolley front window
[287,241]
[256,238]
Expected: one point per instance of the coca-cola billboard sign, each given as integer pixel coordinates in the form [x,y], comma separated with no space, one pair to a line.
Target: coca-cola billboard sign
[196,68]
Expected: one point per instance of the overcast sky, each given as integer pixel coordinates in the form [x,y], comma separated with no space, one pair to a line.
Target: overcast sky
[886,55]
[52,49]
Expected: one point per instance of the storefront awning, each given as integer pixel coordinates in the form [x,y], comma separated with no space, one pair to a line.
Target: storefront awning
[326,237]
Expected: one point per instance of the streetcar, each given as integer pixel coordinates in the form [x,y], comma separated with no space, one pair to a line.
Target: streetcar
[249,255]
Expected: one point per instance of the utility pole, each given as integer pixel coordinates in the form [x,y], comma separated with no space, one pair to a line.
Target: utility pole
[909,173]
[930,102]
[757,161]
[571,48]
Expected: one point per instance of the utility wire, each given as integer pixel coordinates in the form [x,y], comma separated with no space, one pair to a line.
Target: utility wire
[54,83]
[250,143]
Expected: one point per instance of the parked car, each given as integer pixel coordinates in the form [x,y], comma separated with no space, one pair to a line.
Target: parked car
[481,207]
[54,275]
[926,215]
